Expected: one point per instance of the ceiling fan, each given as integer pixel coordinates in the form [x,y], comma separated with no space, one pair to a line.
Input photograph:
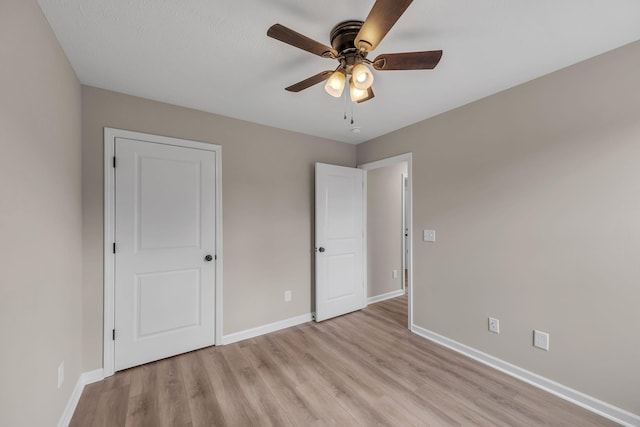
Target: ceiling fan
[351,42]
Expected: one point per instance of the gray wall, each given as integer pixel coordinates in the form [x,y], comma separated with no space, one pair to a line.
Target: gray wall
[384,229]
[267,192]
[533,193]
[40,214]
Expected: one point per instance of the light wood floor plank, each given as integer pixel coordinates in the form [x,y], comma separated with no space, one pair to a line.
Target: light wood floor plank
[361,369]
[144,391]
[204,407]
[172,397]
[233,402]
[86,409]
[349,407]
[297,407]
[265,410]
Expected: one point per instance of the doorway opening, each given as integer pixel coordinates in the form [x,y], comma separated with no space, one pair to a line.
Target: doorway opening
[388,236]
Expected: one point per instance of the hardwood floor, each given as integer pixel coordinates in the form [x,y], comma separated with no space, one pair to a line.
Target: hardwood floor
[361,369]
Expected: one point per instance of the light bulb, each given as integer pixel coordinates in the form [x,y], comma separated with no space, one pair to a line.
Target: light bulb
[335,84]
[362,76]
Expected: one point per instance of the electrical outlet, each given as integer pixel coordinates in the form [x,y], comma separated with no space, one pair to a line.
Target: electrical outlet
[541,340]
[394,274]
[60,374]
[287,296]
[494,325]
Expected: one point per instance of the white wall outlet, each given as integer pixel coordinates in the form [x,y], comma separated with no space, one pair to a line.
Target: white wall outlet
[394,274]
[60,374]
[429,235]
[494,325]
[287,296]
[541,339]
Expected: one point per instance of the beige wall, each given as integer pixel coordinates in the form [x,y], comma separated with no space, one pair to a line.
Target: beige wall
[267,191]
[40,214]
[533,193]
[384,229]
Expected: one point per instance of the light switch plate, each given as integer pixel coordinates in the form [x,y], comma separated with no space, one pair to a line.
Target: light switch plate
[429,235]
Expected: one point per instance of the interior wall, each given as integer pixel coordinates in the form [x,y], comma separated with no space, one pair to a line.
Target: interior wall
[40,215]
[267,202]
[384,229]
[533,193]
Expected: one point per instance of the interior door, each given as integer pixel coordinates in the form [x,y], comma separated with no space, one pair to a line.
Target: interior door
[340,286]
[164,252]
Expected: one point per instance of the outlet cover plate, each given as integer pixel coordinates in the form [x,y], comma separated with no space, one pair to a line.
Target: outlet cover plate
[60,374]
[494,325]
[541,340]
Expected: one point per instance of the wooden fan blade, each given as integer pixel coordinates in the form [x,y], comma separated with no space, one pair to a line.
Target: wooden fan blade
[408,61]
[288,36]
[370,95]
[384,14]
[313,80]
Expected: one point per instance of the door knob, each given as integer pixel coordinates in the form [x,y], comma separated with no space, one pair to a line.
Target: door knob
[208,258]
[321,249]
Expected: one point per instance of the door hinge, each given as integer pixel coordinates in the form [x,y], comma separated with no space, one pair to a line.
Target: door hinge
[113,334]
[114,161]
[114,247]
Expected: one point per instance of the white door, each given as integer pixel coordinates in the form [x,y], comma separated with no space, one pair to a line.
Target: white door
[340,286]
[164,232]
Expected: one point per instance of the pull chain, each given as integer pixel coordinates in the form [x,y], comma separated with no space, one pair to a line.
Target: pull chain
[352,119]
[345,105]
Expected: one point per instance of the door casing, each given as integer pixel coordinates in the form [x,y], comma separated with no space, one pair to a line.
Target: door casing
[110,134]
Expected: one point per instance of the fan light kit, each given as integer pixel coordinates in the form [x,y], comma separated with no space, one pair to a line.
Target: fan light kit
[351,42]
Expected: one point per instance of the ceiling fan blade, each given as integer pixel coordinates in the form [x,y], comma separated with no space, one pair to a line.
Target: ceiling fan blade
[382,17]
[370,95]
[408,61]
[313,80]
[288,36]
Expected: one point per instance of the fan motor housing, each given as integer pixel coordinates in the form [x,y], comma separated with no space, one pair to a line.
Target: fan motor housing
[342,38]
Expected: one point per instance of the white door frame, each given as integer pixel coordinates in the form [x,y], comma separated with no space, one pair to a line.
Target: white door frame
[405,231]
[408,157]
[110,136]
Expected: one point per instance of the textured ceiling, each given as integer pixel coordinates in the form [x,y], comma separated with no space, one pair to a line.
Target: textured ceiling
[215,55]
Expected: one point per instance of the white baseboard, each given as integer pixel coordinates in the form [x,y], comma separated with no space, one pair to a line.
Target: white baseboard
[386,296]
[265,329]
[588,402]
[83,380]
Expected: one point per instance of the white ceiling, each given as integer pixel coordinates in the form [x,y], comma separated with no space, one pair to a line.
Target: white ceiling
[214,55]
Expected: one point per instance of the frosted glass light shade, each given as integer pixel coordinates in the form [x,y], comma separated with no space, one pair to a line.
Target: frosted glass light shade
[357,94]
[362,76]
[335,84]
